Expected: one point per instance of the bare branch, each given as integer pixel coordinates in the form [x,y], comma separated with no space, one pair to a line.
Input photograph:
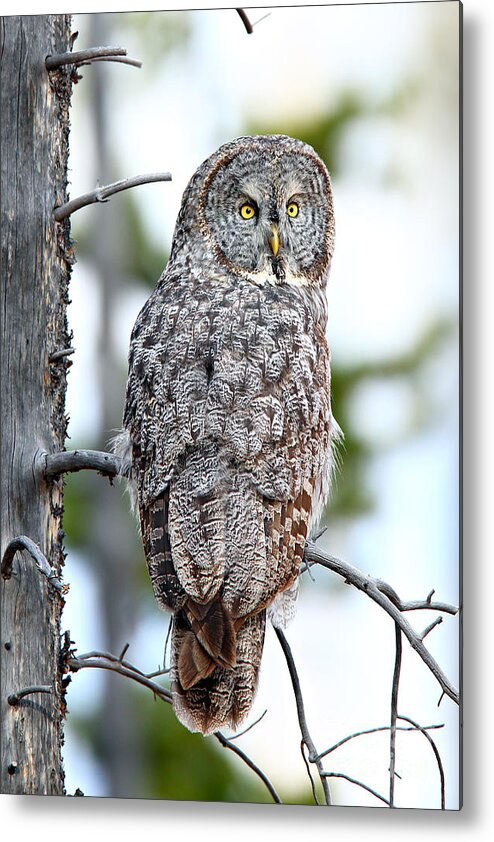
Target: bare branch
[117,59]
[436,755]
[15,698]
[388,591]
[394,715]
[376,592]
[246,22]
[21,543]
[414,605]
[306,737]
[160,671]
[375,731]
[60,355]
[123,652]
[357,783]
[429,628]
[113,664]
[267,15]
[86,56]
[421,604]
[101,194]
[249,727]
[384,587]
[116,659]
[66,461]
[167,640]
[226,743]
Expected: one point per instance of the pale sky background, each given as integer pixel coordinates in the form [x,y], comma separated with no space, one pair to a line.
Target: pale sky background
[395,268]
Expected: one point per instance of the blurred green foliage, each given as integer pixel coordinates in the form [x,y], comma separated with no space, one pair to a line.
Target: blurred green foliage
[351,495]
[325,131]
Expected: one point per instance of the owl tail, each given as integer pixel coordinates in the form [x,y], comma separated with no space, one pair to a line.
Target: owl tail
[209,640]
[210,694]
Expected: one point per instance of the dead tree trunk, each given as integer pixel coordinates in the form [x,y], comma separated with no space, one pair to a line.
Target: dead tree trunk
[36,260]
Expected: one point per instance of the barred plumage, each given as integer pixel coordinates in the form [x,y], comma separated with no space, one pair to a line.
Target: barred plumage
[228,414]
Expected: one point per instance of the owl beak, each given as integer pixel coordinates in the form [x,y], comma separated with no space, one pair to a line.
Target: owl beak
[274,240]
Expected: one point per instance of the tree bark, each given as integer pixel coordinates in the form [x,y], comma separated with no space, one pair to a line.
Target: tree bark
[36,262]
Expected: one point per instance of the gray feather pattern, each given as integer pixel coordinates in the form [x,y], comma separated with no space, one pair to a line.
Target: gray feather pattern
[228,415]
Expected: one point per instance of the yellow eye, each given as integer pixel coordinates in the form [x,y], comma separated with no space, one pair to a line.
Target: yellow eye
[247,211]
[292,210]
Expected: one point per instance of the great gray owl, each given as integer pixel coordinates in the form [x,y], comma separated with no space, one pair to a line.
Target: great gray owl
[228,417]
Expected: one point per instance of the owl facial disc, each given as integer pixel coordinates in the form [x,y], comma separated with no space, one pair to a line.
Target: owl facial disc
[266,211]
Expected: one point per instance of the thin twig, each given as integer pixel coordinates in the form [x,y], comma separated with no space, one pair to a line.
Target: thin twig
[123,652]
[357,783]
[15,698]
[249,727]
[226,743]
[122,59]
[388,591]
[394,715]
[436,755]
[309,773]
[420,605]
[416,604]
[307,739]
[368,585]
[167,639]
[59,355]
[160,671]
[433,625]
[373,731]
[267,15]
[84,56]
[21,543]
[319,533]
[66,461]
[76,663]
[102,194]
[116,659]
[246,22]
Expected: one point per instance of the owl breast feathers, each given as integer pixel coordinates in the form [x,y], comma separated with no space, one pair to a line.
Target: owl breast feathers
[228,414]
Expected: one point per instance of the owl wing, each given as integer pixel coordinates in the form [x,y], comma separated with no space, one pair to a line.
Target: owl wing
[163,417]
[286,466]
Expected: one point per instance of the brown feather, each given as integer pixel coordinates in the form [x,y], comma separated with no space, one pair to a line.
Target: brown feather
[194,663]
[167,588]
[213,628]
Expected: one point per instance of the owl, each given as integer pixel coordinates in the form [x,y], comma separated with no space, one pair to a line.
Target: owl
[227,422]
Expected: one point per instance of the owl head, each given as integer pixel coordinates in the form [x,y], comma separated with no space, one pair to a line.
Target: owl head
[263,208]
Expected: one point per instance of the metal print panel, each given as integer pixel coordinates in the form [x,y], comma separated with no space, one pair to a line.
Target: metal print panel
[243,419]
